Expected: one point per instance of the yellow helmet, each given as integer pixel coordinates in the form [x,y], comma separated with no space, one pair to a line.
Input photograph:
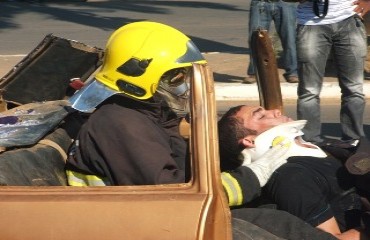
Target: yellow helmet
[137,56]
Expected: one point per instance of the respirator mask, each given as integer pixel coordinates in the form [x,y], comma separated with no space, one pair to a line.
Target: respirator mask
[174,88]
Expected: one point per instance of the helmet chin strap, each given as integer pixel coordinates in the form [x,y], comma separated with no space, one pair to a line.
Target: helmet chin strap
[291,131]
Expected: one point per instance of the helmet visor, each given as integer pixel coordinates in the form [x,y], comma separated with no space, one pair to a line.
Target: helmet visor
[192,54]
[174,88]
[90,96]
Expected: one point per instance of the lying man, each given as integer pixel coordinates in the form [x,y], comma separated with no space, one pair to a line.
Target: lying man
[311,185]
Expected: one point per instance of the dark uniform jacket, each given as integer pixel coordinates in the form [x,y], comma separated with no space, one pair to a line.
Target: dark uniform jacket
[131,142]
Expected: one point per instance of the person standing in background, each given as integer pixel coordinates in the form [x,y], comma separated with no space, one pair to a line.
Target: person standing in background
[262,13]
[336,27]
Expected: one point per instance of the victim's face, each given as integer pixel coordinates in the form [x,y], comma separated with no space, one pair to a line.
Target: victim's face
[259,119]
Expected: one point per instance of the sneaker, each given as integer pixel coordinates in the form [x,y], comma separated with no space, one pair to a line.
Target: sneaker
[291,79]
[249,79]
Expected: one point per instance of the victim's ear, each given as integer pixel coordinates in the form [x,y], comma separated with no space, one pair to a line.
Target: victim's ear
[248,141]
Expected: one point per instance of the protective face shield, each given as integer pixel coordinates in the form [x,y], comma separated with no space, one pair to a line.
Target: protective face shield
[90,96]
[291,131]
[174,88]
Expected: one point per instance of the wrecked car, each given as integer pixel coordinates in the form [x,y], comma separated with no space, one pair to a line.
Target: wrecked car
[36,202]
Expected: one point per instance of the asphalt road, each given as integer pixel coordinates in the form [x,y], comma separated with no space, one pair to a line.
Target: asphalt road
[214,25]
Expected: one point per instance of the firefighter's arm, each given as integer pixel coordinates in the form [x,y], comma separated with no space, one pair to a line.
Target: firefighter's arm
[241,186]
[271,160]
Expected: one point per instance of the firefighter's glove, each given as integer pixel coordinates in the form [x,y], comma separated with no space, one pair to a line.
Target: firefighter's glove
[276,156]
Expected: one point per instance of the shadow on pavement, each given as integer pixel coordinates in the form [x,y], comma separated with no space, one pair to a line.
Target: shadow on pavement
[333,129]
[141,10]
[226,78]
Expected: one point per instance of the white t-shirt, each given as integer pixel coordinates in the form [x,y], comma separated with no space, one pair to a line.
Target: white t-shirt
[338,10]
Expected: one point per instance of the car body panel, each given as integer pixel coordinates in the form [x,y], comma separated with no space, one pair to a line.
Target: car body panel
[110,213]
[194,210]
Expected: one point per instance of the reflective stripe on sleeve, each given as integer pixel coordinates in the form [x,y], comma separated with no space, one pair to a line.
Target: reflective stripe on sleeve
[80,179]
[232,188]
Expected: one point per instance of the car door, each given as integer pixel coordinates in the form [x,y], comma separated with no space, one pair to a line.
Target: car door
[194,210]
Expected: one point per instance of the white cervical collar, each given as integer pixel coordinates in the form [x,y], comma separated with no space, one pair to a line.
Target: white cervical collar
[290,130]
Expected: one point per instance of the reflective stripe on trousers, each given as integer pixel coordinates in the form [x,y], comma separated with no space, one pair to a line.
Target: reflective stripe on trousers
[80,179]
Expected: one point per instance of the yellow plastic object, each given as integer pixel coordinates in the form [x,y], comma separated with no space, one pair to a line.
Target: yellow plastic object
[138,54]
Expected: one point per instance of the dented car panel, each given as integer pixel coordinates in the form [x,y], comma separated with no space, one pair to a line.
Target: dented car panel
[45,73]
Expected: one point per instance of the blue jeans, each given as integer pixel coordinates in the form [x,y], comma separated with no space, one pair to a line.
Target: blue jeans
[262,13]
[347,39]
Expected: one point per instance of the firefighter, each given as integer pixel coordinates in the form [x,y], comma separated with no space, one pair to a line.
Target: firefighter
[141,94]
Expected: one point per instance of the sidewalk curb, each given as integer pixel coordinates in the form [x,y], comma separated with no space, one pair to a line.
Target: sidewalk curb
[249,92]
[232,65]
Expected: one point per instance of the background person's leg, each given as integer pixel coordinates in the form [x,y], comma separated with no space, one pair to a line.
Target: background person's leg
[285,24]
[259,18]
[313,49]
[350,48]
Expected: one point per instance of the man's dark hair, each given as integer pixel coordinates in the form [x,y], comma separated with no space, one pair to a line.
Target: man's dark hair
[230,131]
